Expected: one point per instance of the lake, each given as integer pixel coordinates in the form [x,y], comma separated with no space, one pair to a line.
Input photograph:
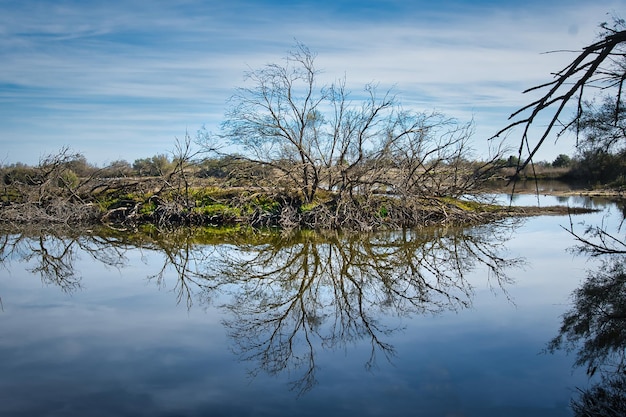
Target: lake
[443,322]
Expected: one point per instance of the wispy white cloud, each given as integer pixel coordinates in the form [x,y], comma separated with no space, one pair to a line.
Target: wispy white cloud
[133,75]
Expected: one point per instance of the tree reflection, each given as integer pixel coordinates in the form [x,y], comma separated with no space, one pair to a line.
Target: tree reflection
[332,290]
[290,296]
[181,253]
[52,254]
[595,328]
[605,399]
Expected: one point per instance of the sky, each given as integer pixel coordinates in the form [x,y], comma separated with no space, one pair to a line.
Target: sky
[124,79]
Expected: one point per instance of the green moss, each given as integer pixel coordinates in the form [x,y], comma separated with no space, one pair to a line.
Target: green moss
[147,208]
[114,199]
[205,196]
[221,210]
[304,208]
[265,203]
[10,195]
[473,206]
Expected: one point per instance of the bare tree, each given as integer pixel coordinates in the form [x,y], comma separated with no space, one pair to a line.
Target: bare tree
[600,66]
[49,192]
[317,138]
[276,120]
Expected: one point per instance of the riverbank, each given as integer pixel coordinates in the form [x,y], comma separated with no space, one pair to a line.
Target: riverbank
[556,188]
[219,207]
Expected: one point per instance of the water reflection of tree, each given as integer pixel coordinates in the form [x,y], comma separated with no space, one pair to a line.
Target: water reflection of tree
[596,323]
[189,260]
[290,296]
[333,290]
[52,254]
[595,327]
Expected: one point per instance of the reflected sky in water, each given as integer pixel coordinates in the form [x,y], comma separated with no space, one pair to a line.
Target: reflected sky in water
[121,344]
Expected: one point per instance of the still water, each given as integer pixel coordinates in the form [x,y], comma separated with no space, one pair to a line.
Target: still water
[435,323]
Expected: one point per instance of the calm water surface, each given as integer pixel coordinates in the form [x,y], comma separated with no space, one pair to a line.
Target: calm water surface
[439,323]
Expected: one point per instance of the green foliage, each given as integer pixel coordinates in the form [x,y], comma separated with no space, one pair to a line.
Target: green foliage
[600,167]
[512,162]
[307,207]
[20,173]
[562,161]
[470,206]
[217,168]
[265,203]
[204,196]
[148,208]
[155,166]
[79,165]
[115,199]
[68,179]
[117,169]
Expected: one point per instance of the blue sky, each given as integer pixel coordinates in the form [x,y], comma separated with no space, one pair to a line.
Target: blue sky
[123,79]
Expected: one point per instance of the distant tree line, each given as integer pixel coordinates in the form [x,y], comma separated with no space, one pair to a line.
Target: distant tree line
[159,165]
[235,170]
[589,165]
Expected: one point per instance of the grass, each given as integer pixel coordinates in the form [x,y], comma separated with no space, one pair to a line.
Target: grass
[218,209]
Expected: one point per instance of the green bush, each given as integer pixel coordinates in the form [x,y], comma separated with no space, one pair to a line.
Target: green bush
[68,179]
[20,173]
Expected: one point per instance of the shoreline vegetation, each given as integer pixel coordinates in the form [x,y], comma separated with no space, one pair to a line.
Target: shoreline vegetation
[52,194]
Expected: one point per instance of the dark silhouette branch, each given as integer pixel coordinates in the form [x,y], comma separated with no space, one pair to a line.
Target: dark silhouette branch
[585,71]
